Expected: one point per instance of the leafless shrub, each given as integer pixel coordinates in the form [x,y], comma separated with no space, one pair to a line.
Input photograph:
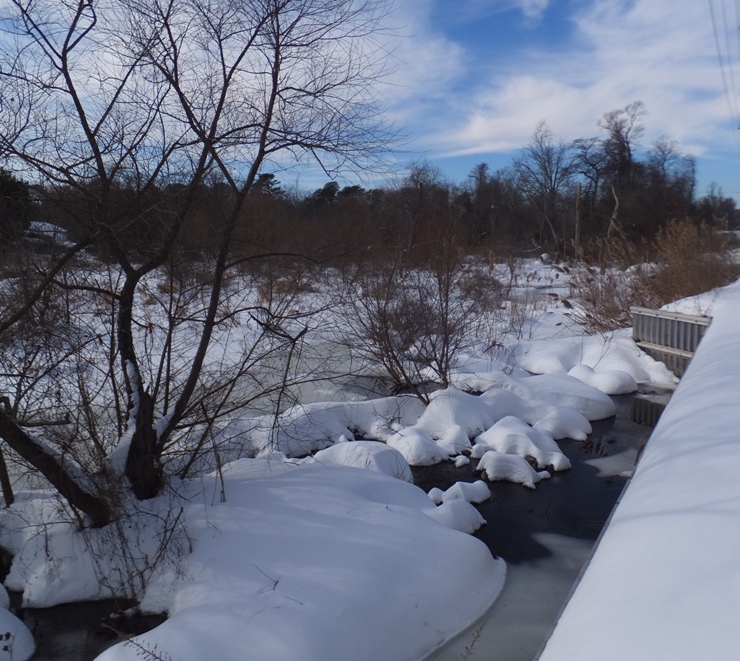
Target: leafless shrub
[691,259]
[604,296]
[687,259]
[414,321]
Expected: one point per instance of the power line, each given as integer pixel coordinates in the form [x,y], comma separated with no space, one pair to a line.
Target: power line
[726,61]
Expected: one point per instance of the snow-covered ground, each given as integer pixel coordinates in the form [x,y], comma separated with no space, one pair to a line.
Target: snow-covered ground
[315,545]
[664,582]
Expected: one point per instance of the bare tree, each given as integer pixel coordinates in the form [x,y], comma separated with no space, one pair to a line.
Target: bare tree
[624,130]
[590,161]
[422,193]
[482,209]
[108,103]
[542,171]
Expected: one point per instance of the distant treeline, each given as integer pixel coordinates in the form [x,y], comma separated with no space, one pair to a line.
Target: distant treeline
[555,196]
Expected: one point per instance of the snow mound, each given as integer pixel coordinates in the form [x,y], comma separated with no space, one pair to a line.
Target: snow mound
[567,391]
[511,435]
[472,492]
[613,352]
[453,408]
[242,589]
[559,389]
[461,460]
[370,455]
[459,515]
[310,427]
[611,382]
[417,447]
[562,422]
[511,468]
[552,419]
[16,641]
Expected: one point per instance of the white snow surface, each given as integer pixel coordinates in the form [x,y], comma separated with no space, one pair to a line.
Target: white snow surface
[459,515]
[472,492]
[321,549]
[665,580]
[370,455]
[320,563]
[511,435]
[16,641]
[499,466]
[417,447]
[603,354]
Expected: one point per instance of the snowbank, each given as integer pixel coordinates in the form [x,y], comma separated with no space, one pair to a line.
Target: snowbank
[665,580]
[370,455]
[320,563]
[615,364]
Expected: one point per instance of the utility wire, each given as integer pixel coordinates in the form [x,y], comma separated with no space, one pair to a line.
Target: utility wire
[725,65]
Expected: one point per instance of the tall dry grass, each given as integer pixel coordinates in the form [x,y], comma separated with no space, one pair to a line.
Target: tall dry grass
[683,260]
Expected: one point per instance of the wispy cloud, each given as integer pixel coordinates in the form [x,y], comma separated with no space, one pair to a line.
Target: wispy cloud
[618,51]
[426,63]
[471,9]
[533,9]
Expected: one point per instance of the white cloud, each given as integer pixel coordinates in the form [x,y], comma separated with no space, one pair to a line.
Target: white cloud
[621,51]
[470,9]
[533,9]
[425,62]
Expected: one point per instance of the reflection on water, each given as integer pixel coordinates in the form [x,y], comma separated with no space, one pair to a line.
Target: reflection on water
[647,407]
[81,631]
[519,622]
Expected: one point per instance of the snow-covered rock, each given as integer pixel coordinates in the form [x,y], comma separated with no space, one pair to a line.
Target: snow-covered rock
[16,641]
[611,382]
[511,435]
[472,492]
[511,468]
[417,447]
[459,515]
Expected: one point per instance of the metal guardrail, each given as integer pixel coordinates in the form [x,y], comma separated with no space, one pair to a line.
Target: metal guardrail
[671,337]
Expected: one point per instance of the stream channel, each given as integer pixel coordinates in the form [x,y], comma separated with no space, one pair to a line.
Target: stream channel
[546,536]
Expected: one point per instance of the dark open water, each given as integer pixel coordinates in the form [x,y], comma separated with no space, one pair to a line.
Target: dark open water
[547,535]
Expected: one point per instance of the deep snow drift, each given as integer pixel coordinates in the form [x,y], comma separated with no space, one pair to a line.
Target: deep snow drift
[318,563]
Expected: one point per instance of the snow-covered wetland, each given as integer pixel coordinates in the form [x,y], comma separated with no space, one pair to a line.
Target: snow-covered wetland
[303,535]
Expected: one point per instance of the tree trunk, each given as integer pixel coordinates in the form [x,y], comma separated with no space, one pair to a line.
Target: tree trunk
[53,470]
[143,469]
[5,482]
[614,225]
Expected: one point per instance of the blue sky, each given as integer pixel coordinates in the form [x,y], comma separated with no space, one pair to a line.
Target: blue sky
[473,77]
